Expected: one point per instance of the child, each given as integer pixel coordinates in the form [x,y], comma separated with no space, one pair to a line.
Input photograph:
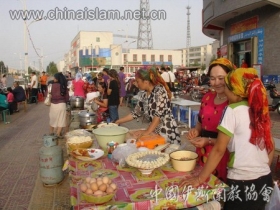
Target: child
[11,100]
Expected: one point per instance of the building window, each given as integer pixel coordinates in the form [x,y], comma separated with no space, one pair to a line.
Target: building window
[134,57]
[97,39]
[169,58]
[125,57]
[161,58]
[153,58]
[143,58]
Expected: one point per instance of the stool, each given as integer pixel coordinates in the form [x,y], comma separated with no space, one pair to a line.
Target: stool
[194,116]
[5,114]
[40,97]
[35,98]
[174,112]
[24,104]
[183,113]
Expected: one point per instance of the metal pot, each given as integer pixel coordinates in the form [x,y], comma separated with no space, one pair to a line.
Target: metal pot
[77,102]
[87,118]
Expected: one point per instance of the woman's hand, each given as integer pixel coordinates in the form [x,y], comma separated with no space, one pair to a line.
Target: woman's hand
[199,142]
[193,182]
[193,133]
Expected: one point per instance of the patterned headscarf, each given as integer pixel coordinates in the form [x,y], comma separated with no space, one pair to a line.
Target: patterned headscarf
[223,61]
[89,78]
[154,77]
[245,82]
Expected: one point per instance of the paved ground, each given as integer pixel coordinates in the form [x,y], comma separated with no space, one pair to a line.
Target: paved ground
[20,141]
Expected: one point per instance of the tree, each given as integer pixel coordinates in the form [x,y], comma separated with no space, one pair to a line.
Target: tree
[3,68]
[51,68]
[203,66]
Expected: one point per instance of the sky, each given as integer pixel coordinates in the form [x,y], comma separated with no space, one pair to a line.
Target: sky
[52,38]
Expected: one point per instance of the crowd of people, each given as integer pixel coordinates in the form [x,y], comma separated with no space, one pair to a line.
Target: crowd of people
[232,136]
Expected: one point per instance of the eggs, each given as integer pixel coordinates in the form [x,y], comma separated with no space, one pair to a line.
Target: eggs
[98,186]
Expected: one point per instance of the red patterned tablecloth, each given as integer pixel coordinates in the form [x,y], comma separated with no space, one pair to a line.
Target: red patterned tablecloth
[136,191]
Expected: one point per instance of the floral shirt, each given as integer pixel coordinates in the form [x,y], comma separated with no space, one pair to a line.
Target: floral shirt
[158,104]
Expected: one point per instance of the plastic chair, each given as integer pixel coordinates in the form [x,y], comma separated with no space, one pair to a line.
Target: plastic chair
[5,113]
[40,97]
[194,116]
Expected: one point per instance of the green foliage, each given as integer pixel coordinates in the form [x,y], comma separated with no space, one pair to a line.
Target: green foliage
[203,66]
[51,68]
[3,68]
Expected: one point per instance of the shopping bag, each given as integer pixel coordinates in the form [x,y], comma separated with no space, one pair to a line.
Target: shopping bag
[274,202]
[48,98]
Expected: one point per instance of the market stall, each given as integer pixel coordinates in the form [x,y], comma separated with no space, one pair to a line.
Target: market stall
[136,189]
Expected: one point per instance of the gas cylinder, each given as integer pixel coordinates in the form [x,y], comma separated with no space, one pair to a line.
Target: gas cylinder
[51,162]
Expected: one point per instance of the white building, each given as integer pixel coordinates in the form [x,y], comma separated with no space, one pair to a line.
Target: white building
[92,50]
[198,55]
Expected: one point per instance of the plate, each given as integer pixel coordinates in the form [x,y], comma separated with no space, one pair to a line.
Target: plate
[161,147]
[93,154]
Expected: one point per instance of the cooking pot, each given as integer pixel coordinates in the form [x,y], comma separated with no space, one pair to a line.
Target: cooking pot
[77,102]
[87,118]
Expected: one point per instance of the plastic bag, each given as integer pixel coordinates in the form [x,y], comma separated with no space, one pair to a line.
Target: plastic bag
[81,133]
[274,203]
[121,152]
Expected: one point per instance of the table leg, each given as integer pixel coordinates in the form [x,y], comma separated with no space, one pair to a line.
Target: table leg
[178,113]
[190,118]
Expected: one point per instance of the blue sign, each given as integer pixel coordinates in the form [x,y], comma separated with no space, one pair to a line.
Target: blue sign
[258,32]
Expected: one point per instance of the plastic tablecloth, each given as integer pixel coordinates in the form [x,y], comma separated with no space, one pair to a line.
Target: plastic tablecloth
[158,190]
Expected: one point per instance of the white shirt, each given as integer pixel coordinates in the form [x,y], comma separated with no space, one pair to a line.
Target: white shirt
[34,78]
[165,76]
[172,76]
[246,161]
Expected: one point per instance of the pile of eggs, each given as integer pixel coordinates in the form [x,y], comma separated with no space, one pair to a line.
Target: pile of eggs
[98,186]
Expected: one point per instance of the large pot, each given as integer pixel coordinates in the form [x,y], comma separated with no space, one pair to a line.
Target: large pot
[87,118]
[108,134]
[77,102]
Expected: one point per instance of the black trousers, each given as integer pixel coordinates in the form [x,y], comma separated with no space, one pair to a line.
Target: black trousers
[34,92]
[249,194]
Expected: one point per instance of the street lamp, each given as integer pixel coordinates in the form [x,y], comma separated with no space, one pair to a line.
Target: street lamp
[41,59]
[19,54]
[91,58]
[127,55]
[25,36]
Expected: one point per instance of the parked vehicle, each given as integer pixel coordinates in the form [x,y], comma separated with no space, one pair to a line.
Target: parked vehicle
[275,104]
[197,92]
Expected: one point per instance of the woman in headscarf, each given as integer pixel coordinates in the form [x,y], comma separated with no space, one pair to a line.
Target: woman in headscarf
[89,85]
[154,103]
[245,131]
[59,99]
[205,133]
[77,85]
[90,88]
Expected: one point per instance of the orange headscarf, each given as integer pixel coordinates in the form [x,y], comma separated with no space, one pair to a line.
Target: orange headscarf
[225,62]
[245,82]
